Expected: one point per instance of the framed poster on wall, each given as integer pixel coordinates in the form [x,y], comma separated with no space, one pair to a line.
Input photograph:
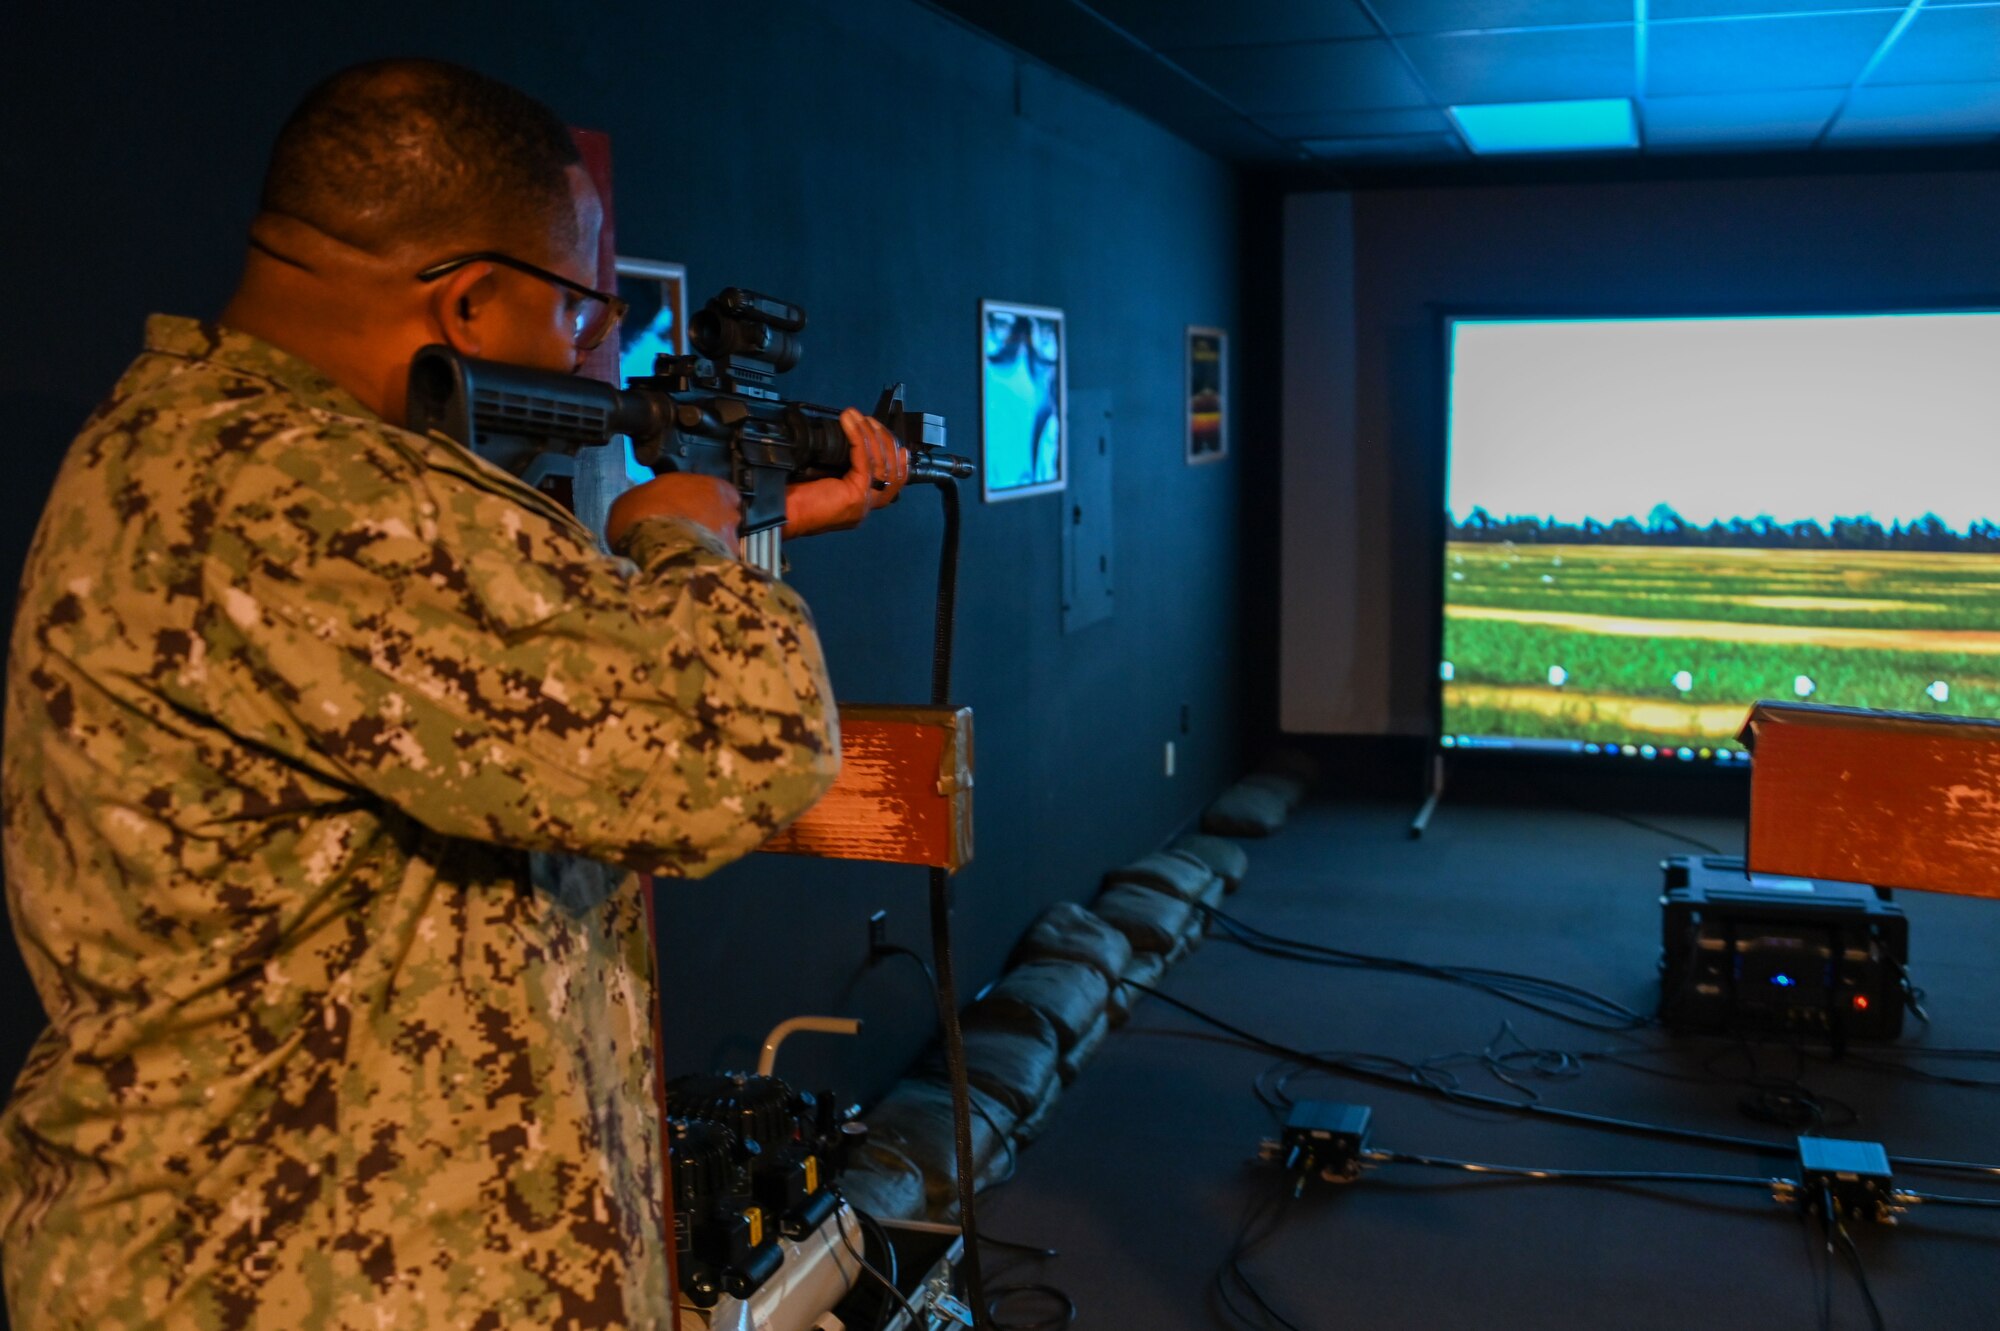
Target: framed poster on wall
[1207,400]
[655,325]
[1024,400]
[655,296]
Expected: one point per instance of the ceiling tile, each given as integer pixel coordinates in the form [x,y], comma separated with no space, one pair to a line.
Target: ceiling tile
[1358,124]
[1406,16]
[1172,24]
[1237,140]
[1936,113]
[1478,68]
[1324,76]
[1738,120]
[1043,28]
[1757,55]
[1397,147]
[1668,10]
[1944,46]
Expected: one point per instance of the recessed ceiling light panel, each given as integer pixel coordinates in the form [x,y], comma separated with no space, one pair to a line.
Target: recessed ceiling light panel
[1603,124]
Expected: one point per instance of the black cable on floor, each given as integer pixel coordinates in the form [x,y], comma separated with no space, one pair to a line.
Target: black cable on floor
[1569,1175]
[1005,1137]
[1405,1076]
[1362,1071]
[1232,1280]
[1061,1314]
[1819,1260]
[887,1282]
[1656,828]
[998,1296]
[1984,1203]
[1553,998]
[1860,1274]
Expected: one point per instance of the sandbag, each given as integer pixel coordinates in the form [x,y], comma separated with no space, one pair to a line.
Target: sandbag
[1297,764]
[1078,1054]
[1009,1017]
[1031,1127]
[1289,789]
[1244,810]
[883,1182]
[1069,994]
[1174,872]
[1068,932]
[1154,923]
[1146,968]
[1015,1067]
[1224,858]
[915,1119]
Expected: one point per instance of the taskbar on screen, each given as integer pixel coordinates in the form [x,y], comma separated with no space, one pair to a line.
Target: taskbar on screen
[1714,755]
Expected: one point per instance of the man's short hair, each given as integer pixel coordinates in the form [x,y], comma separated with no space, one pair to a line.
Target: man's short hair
[423,152]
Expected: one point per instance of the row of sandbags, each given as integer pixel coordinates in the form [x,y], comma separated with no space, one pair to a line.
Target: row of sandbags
[1029,1035]
[1259,803]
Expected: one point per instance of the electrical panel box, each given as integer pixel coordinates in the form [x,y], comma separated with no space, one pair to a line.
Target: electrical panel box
[1087,563]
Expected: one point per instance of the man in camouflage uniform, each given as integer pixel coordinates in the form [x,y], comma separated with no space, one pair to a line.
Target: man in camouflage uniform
[306,717]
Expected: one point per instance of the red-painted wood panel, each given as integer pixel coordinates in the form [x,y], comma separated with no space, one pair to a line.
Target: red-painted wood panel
[904,794]
[1889,798]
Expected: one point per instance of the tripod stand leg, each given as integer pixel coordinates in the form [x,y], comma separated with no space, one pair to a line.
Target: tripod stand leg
[1423,819]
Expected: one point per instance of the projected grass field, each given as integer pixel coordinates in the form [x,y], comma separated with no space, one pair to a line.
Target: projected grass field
[1667,645]
[1654,522]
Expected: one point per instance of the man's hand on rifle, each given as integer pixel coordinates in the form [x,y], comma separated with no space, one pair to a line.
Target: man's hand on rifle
[878,467]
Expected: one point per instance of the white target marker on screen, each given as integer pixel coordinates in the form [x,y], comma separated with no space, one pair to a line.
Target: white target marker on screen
[1558,676]
[1684,680]
[1803,686]
[1939,691]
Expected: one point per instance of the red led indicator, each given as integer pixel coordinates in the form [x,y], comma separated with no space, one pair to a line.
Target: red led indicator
[1861,1002]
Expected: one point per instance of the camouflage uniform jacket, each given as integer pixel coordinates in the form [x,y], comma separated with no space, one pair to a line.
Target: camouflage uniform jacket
[295,698]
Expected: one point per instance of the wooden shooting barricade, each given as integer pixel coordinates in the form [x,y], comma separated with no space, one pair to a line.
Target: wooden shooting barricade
[1892,799]
[904,793]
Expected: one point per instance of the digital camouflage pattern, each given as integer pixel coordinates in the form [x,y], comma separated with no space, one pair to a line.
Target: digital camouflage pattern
[295,699]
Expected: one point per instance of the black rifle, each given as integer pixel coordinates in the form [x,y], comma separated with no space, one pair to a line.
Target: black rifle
[717,413]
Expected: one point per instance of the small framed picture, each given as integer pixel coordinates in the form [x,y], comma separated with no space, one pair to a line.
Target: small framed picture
[655,325]
[1207,394]
[655,295]
[1024,400]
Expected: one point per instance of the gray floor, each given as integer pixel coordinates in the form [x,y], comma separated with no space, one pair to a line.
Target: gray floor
[1145,1174]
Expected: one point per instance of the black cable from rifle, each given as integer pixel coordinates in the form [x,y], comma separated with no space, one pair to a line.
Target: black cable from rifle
[940,907]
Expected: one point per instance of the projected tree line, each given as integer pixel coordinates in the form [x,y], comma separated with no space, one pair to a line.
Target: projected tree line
[1663,526]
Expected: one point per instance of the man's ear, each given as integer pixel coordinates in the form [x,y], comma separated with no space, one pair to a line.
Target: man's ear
[461,308]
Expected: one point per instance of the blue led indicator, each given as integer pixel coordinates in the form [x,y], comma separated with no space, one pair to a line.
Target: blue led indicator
[1782,981]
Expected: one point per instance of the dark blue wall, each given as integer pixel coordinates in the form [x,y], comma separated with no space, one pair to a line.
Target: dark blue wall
[880,165]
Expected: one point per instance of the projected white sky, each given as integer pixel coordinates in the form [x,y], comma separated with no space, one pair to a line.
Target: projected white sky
[1892,416]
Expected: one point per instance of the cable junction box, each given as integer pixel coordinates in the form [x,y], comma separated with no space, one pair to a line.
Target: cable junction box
[1790,955]
[1323,1137]
[1852,1176]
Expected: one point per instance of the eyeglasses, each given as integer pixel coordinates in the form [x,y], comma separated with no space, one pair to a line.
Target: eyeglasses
[593,319]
